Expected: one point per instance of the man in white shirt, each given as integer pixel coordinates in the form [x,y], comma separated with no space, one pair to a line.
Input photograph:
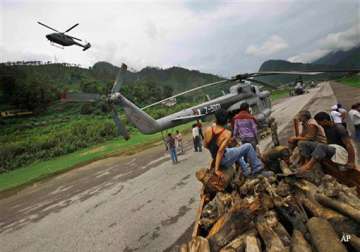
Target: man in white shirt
[196,138]
[354,115]
[343,113]
[336,116]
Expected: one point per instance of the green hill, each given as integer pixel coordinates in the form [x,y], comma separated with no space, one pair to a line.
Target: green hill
[336,60]
[34,84]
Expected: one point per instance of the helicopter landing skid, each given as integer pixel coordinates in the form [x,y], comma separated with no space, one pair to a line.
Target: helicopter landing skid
[56,45]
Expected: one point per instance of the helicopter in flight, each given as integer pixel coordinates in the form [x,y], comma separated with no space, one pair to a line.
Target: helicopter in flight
[63,39]
[245,89]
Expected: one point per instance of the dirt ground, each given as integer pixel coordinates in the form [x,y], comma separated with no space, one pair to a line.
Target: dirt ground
[132,203]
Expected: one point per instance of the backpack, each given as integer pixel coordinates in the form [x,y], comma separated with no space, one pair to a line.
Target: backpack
[212,146]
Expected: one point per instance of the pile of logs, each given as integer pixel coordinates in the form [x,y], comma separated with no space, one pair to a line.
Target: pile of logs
[278,213]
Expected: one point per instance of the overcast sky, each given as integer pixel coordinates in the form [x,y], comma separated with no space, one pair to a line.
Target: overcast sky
[220,37]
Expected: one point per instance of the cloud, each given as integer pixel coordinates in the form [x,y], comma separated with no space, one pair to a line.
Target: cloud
[271,46]
[309,56]
[344,40]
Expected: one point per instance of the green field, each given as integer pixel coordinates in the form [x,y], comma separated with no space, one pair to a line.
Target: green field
[353,81]
[42,169]
[278,94]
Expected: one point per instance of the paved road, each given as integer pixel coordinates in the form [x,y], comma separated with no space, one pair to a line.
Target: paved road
[134,203]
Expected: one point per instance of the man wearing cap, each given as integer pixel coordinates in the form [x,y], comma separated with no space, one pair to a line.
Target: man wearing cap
[339,149]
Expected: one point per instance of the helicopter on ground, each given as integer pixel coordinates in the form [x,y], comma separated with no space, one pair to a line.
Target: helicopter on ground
[243,90]
[63,39]
[298,87]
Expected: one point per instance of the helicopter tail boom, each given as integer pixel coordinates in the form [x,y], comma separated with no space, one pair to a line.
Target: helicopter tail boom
[144,122]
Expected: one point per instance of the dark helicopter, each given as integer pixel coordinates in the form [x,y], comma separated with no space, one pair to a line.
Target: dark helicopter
[63,39]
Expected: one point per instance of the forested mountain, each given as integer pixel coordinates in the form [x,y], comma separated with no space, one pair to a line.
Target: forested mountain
[345,59]
[34,84]
[178,78]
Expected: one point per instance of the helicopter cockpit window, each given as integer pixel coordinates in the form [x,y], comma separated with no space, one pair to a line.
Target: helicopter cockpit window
[253,89]
[254,109]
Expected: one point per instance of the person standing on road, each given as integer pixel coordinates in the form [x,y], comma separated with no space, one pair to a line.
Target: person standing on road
[171,147]
[338,114]
[354,116]
[196,138]
[179,141]
[343,113]
[199,125]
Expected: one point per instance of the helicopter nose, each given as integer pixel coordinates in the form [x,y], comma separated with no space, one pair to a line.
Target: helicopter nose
[48,36]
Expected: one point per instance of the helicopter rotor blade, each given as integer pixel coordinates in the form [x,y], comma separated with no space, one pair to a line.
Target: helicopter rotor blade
[120,77]
[264,73]
[47,26]
[121,130]
[74,38]
[72,27]
[185,92]
[263,83]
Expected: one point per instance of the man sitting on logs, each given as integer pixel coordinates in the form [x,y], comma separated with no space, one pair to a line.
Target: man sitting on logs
[311,130]
[217,141]
[339,149]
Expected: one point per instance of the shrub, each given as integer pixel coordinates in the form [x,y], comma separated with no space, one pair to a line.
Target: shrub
[87,108]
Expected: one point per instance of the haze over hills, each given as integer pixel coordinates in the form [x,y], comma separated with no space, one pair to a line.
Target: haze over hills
[336,60]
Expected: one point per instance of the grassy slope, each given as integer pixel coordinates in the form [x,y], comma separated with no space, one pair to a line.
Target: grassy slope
[43,169]
[353,81]
[278,94]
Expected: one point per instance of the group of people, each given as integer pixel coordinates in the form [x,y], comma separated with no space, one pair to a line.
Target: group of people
[339,116]
[234,140]
[322,139]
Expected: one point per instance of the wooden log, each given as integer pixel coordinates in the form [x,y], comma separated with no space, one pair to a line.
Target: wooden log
[349,199]
[197,244]
[349,177]
[355,242]
[252,244]
[317,210]
[323,236]
[339,206]
[272,241]
[273,222]
[233,224]
[198,213]
[293,214]
[239,243]
[298,243]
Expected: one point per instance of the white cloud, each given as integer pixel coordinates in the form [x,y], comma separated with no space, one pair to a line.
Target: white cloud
[271,46]
[344,41]
[208,35]
[308,57]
